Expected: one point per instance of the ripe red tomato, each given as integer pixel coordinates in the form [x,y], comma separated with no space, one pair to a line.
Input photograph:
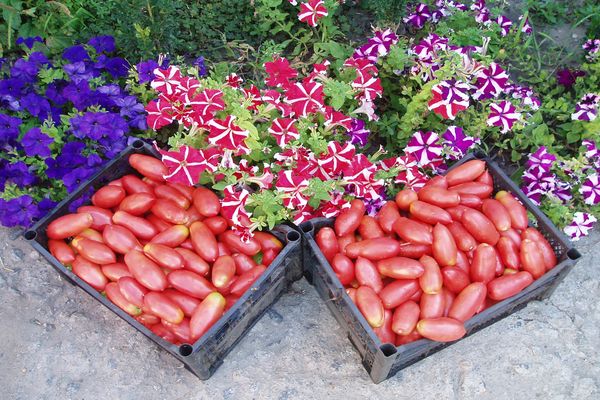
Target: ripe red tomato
[400,268]
[485,178]
[463,239]
[412,231]
[367,274]
[344,241]
[441,329]
[508,285]
[206,314]
[374,249]
[245,280]
[349,219]
[405,318]
[108,196]
[480,227]
[387,215]
[497,213]
[164,256]
[223,271]
[216,224]
[187,303]
[69,225]
[398,291]
[343,268]
[412,250]
[370,306]
[160,305]
[114,294]
[181,330]
[115,271]
[483,267]
[137,203]
[204,241]
[206,202]
[471,201]
[120,239]
[61,251]
[455,279]
[439,196]
[468,301]
[236,244]
[405,198]
[431,281]
[89,272]
[518,213]
[384,332]
[94,251]
[132,290]
[429,213]
[327,242]
[466,172]
[432,305]
[543,244]
[193,262]
[509,252]
[444,246]
[170,212]
[139,226]
[100,216]
[473,188]
[190,283]
[369,228]
[532,259]
[170,193]
[133,184]
[145,271]
[149,166]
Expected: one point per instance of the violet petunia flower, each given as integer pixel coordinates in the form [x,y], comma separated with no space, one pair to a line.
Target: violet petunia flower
[9,130]
[421,15]
[566,77]
[491,82]
[103,43]
[458,142]
[581,226]
[36,143]
[592,47]
[76,177]
[541,159]
[75,53]
[29,41]
[590,190]
[505,25]
[587,108]
[425,148]
[504,115]
[18,211]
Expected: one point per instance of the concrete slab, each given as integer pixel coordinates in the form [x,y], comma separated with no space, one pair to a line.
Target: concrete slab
[56,343]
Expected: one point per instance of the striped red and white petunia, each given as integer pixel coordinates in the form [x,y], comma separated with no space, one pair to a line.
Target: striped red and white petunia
[233,205]
[305,98]
[226,134]
[312,11]
[160,113]
[293,185]
[284,130]
[368,85]
[166,81]
[337,158]
[208,102]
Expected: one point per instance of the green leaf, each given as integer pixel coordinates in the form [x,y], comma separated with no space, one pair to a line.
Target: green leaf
[338,92]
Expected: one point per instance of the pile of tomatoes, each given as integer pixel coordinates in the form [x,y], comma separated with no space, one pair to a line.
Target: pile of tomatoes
[161,251]
[432,259]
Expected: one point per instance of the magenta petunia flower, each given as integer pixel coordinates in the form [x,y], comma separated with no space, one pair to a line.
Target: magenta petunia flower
[166,81]
[537,183]
[590,190]
[382,41]
[566,77]
[337,158]
[458,142]
[305,98]
[419,16]
[234,203]
[424,147]
[562,191]
[526,28]
[208,102]
[185,166]
[160,113]
[491,82]
[312,11]
[503,115]
[505,25]
[279,72]
[449,97]
[592,152]
[541,159]
[426,48]
[581,226]
[284,130]
[293,185]
[592,48]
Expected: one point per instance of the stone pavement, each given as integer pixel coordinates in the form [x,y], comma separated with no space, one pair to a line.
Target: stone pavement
[56,343]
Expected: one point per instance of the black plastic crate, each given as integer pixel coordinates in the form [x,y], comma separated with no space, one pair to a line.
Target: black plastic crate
[205,355]
[384,360]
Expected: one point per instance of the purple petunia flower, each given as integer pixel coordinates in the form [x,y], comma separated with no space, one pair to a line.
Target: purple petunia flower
[381,42]
[11,87]
[44,207]
[75,53]
[592,153]
[39,59]
[526,28]
[524,93]
[199,63]
[541,159]
[425,148]
[491,82]
[503,115]
[566,77]
[419,17]
[505,25]
[145,70]
[29,41]
[36,143]
[95,125]
[19,174]
[118,67]
[366,52]
[538,182]
[129,106]
[459,143]
[581,226]
[78,93]
[425,50]
[587,108]
[103,44]
[373,206]
[562,191]
[9,130]
[73,179]
[482,13]
[590,190]
[36,105]
[24,70]
[18,211]
[94,160]
[77,71]
[358,134]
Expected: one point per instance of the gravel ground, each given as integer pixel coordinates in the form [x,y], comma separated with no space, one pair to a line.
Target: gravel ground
[58,344]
